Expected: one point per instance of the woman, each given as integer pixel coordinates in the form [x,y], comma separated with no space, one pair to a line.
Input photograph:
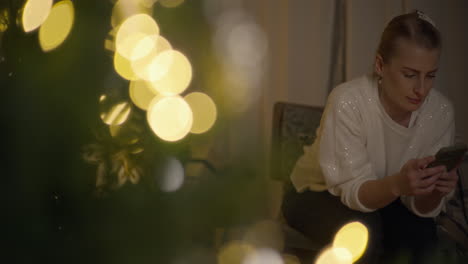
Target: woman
[376,138]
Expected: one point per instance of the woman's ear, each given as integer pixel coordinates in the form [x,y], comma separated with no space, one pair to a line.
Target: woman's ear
[378,65]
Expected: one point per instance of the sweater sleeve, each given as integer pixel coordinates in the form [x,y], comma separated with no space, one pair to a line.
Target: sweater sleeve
[343,155]
[445,137]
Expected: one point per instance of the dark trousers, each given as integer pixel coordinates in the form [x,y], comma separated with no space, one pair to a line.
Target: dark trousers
[395,233]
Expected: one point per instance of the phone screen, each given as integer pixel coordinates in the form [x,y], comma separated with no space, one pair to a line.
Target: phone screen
[449,156]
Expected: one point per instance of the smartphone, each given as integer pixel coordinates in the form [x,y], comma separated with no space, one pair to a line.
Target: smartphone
[449,156]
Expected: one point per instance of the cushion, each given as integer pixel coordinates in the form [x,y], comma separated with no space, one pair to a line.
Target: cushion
[294,125]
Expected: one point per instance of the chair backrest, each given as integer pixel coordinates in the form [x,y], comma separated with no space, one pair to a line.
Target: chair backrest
[294,125]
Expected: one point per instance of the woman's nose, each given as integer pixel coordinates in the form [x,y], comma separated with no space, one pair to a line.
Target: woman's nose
[419,87]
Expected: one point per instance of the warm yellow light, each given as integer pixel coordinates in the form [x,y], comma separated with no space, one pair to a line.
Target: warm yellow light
[204,112]
[126,8]
[353,237]
[171,3]
[35,12]
[143,47]
[234,253]
[170,118]
[148,3]
[133,30]
[142,68]
[124,67]
[130,47]
[335,256]
[263,255]
[178,76]
[117,114]
[57,26]
[4,20]
[159,66]
[141,93]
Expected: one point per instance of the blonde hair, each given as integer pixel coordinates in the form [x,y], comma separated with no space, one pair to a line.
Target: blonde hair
[416,27]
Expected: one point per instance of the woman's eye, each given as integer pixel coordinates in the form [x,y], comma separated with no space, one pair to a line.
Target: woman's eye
[431,76]
[409,75]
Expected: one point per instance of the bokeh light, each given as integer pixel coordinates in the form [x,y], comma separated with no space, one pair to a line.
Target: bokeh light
[170,118]
[148,3]
[35,12]
[246,44]
[173,176]
[142,68]
[130,46]
[159,66]
[141,93]
[335,255]
[204,111]
[144,46]
[4,20]
[354,237]
[263,256]
[171,3]
[235,252]
[242,47]
[124,9]
[178,76]
[113,113]
[124,67]
[57,26]
[131,32]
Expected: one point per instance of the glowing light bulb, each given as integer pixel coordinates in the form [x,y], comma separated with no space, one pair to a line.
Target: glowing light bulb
[170,118]
[335,256]
[124,67]
[354,237]
[35,12]
[57,26]
[178,75]
[147,67]
[141,94]
[204,111]
[131,32]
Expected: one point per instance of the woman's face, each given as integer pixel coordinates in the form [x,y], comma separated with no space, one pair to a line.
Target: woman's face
[407,77]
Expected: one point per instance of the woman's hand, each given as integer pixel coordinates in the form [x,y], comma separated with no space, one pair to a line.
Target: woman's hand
[415,179]
[447,182]
[443,185]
